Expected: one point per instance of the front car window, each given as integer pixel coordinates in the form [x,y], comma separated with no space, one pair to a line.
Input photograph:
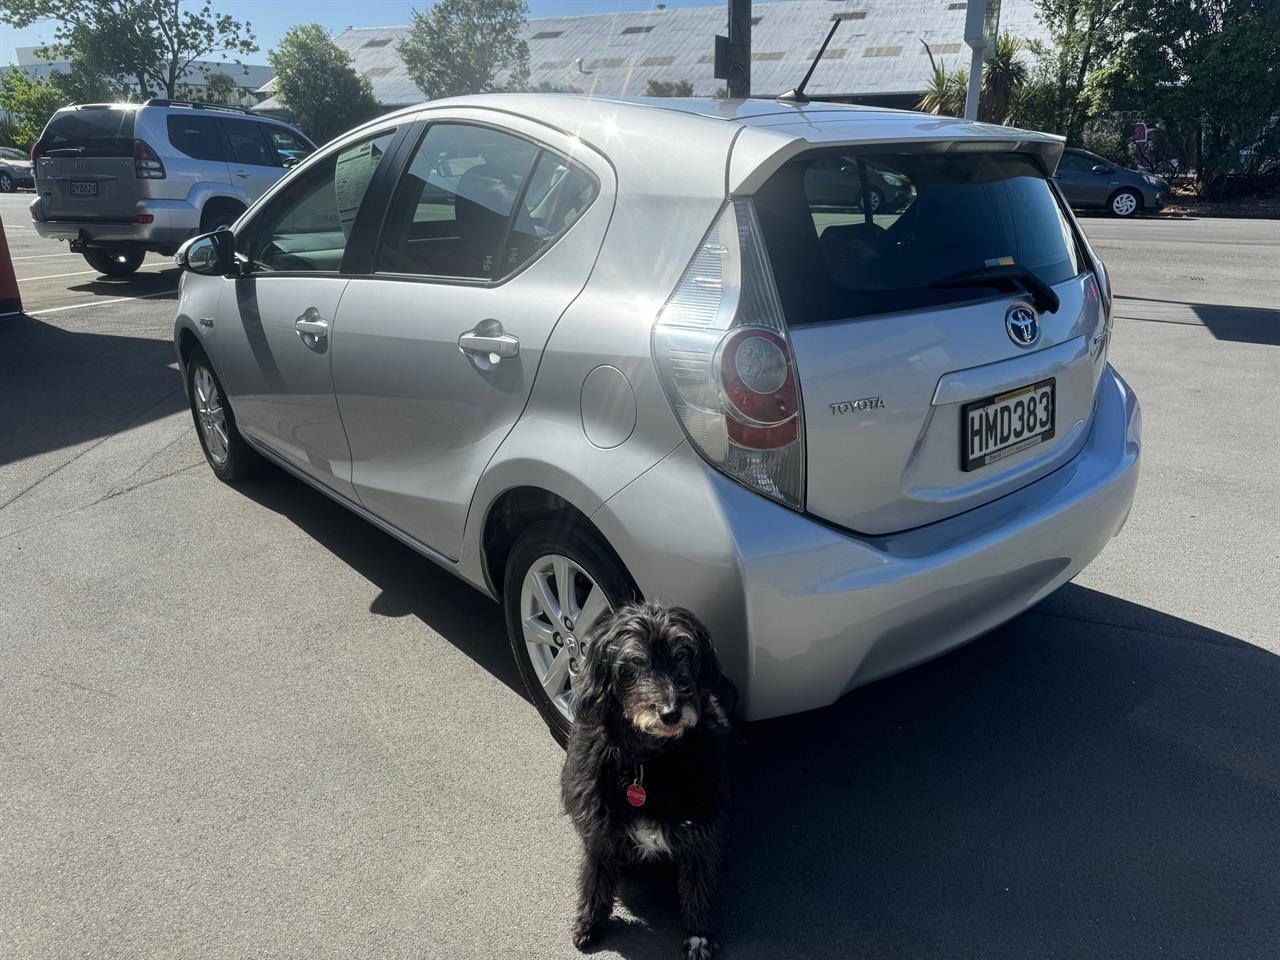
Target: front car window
[839,251]
[286,145]
[245,143]
[307,225]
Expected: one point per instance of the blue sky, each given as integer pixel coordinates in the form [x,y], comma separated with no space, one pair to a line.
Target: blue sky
[271,18]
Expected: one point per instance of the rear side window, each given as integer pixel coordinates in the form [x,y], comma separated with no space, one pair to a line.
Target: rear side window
[557,194]
[246,143]
[197,137]
[89,132]
[853,235]
[451,207]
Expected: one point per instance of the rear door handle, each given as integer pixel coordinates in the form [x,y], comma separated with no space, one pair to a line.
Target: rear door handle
[241,174]
[488,340]
[311,325]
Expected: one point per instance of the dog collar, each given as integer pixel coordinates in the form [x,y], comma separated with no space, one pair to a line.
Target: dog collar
[635,792]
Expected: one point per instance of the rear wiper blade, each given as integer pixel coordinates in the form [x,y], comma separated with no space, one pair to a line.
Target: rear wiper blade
[1041,293]
[53,150]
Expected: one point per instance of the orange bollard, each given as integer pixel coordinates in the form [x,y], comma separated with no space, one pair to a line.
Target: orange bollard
[10,299]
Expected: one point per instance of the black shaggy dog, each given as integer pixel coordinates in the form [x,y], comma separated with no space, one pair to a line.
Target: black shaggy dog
[645,777]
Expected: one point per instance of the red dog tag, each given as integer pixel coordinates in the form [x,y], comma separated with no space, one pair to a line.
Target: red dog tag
[635,795]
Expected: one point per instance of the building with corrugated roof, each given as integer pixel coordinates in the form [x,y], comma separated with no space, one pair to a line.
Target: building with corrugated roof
[878,54]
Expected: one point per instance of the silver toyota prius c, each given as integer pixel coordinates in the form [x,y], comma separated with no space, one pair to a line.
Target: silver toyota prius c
[577,349]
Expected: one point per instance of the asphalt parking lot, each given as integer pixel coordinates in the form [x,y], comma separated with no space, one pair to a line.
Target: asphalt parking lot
[242,722]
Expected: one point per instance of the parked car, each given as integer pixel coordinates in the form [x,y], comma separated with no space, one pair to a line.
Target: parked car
[117,180]
[1088,181]
[637,358]
[15,170]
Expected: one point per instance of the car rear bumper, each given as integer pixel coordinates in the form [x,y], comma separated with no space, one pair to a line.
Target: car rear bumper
[172,222]
[802,612]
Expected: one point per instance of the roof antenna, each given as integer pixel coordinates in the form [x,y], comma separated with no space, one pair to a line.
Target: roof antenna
[797,95]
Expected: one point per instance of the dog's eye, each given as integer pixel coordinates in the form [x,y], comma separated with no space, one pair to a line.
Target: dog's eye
[637,661]
[682,655]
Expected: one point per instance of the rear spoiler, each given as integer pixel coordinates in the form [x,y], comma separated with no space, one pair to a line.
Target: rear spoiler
[762,148]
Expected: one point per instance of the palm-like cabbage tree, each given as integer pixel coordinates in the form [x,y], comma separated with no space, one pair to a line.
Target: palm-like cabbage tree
[1003,77]
[946,90]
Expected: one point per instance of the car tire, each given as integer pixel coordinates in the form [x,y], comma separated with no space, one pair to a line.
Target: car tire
[877,199]
[547,651]
[231,459]
[1125,203]
[120,262]
[7,184]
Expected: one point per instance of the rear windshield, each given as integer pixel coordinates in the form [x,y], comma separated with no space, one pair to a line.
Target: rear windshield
[853,235]
[93,132]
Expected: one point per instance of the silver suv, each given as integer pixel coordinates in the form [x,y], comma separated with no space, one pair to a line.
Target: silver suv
[120,179]
[575,350]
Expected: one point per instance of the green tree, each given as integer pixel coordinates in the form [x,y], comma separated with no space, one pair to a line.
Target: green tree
[668,88]
[151,44]
[316,82]
[29,101]
[467,46]
[946,91]
[1004,74]
[1084,36]
[1209,66]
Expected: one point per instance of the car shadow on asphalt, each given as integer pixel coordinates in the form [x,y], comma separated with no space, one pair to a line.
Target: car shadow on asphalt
[61,387]
[1260,325]
[1093,779]
[409,584]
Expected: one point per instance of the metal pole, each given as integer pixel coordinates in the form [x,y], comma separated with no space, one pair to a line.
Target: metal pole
[975,85]
[739,78]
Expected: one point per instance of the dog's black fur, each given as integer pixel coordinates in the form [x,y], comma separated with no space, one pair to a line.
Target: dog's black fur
[646,698]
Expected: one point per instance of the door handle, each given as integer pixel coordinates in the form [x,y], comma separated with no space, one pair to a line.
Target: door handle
[241,174]
[311,325]
[489,341]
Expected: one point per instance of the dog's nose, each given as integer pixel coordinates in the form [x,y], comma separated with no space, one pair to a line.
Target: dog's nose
[669,715]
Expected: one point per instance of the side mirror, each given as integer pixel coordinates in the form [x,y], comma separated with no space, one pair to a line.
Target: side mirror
[1100,168]
[291,162]
[210,254]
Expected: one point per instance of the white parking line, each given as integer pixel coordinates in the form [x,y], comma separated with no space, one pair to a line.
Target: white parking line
[55,276]
[43,256]
[103,303]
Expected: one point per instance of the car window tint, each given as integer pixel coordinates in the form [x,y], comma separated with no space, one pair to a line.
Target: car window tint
[1075,162]
[89,132]
[452,206]
[835,191]
[197,137]
[245,143]
[557,194]
[942,214]
[285,145]
[307,225]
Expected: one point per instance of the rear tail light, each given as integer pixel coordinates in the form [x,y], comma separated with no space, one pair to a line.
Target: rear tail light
[723,354]
[144,217]
[146,162]
[35,151]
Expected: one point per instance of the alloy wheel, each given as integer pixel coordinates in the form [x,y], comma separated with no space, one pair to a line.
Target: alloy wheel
[560,604]
[210,414]
[1124,204]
